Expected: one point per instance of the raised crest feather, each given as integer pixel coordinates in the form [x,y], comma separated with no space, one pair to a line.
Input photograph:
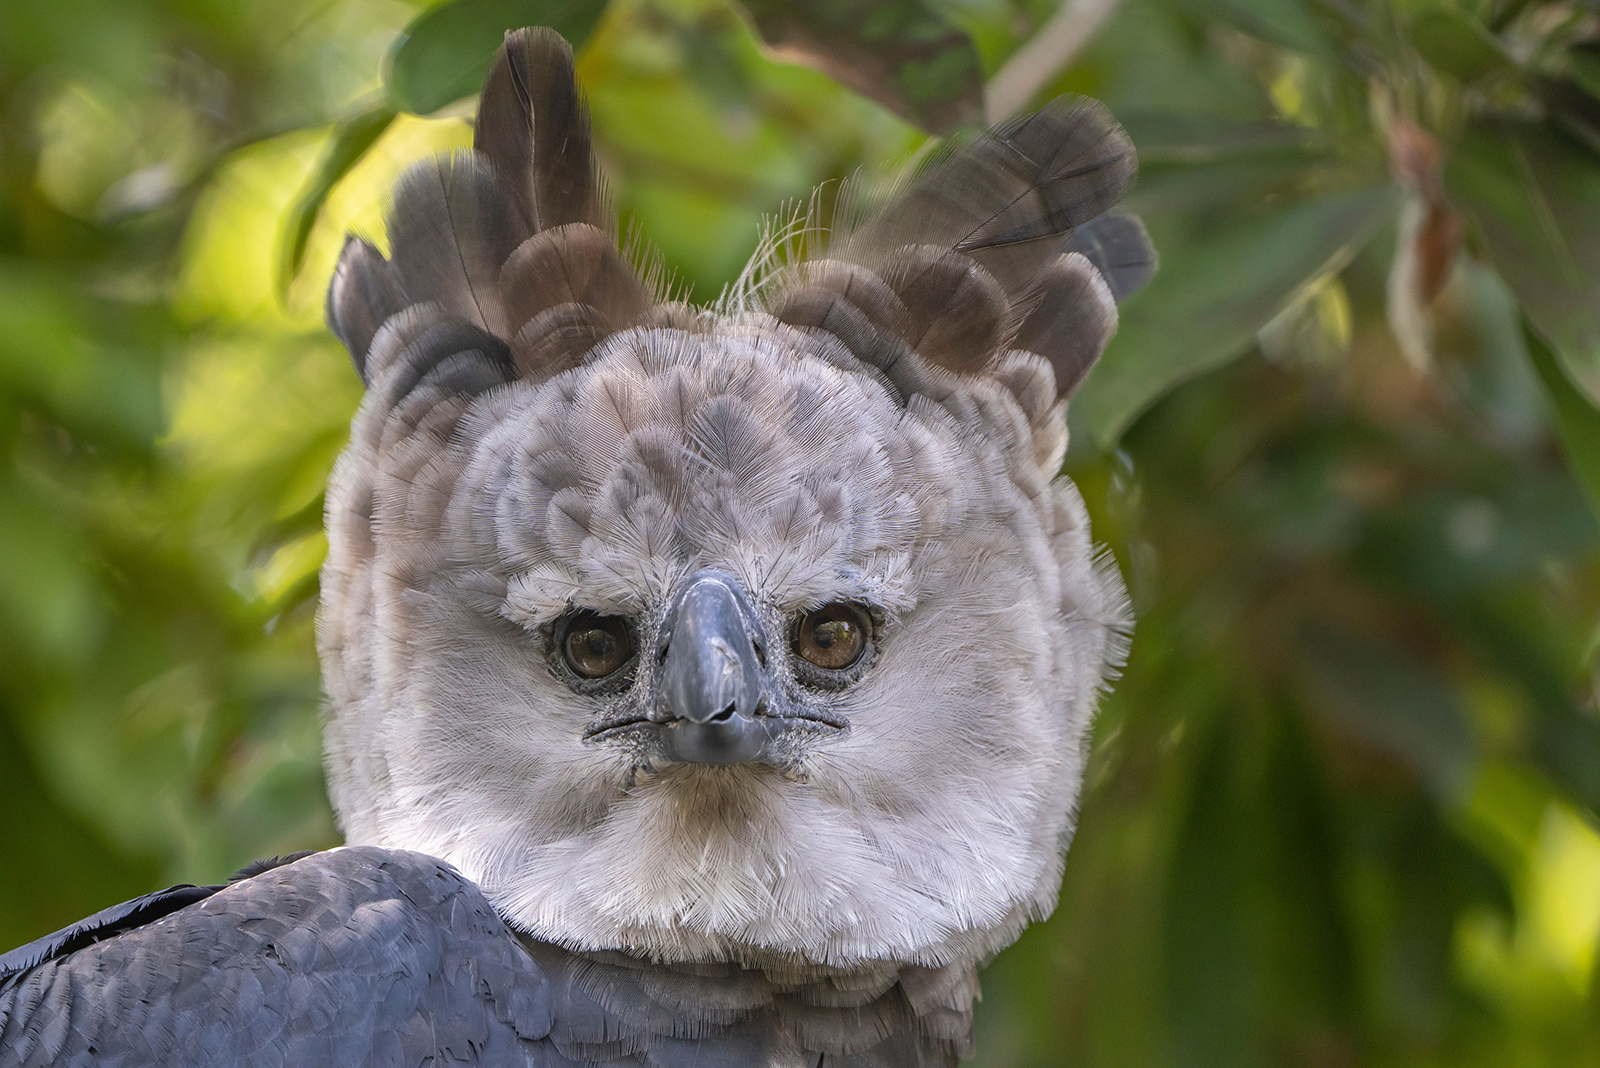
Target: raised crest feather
[958,266]
[533,128]
[364,293]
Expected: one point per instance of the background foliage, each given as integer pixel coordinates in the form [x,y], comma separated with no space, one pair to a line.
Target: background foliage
[1342,806]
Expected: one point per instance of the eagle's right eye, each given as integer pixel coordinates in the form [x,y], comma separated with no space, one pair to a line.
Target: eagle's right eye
[595,646]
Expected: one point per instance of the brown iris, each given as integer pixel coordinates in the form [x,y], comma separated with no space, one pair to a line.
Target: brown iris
[832,637]
[595,645]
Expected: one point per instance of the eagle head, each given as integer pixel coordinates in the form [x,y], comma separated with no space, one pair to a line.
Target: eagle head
[765,632]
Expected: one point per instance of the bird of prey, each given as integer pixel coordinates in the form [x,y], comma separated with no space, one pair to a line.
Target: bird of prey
[706,686]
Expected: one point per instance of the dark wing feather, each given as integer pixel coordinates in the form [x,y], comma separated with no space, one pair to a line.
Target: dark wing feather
[364,956]
[106,923]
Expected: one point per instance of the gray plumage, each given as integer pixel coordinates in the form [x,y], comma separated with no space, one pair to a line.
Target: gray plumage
[367,956]
[742,658]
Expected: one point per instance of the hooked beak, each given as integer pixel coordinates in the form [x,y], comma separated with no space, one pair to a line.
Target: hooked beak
[713,685]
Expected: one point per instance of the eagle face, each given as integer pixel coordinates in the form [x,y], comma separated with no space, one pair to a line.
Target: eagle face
[758,634]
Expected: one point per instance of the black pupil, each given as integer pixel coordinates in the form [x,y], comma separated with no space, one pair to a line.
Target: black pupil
[830,631]
[596,646]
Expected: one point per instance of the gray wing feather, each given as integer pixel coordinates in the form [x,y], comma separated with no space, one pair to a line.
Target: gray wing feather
[371,956]
[106,923]
[357,956]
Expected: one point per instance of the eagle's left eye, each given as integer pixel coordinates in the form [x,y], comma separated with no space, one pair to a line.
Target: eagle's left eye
[832,637]
[595,646]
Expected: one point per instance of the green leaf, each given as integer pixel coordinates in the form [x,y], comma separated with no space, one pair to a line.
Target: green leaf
[1577,421]
[1284,22]
[444,53]
[351,139]
[1214,291]
[1455,43]
[1368,688]
[1583,63]
[902,53]
[1534,196]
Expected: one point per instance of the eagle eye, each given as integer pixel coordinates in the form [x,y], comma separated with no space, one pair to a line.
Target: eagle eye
[832,637]
[595,646]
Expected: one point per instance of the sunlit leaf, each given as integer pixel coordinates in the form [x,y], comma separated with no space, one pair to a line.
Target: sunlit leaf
[1533,195]
[901,53]
[445,52]
[1214,291]
[230,261]
[1457,44]
[350,142]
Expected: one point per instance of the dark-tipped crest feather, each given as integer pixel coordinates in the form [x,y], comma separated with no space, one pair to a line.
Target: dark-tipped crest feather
[533,128]
[1072,321]
[1001,242]
[494,238]
[1120,250]
[972,250]
[364,292]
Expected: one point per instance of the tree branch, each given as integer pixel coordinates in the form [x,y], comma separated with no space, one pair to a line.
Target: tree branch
[1047,52]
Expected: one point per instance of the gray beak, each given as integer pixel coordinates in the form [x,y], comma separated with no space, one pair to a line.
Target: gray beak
[712,684]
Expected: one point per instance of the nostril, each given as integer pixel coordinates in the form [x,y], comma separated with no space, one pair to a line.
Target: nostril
[722,717]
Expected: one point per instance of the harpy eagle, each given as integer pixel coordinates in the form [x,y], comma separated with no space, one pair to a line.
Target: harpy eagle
[706,686]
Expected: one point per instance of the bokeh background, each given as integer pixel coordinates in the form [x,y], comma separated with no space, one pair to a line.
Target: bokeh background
[1342,805]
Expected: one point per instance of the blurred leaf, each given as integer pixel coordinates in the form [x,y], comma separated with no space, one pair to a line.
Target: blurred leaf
[1457,44]
[52,848]
[1286,22]
[1577,420]
[230,262]
[351,139]
[444,54]
[56,358]
[1393,703]
[902,53]
[1214,291]
[1583,61]
[1453,541]
[1533,195]
[1196,139]
[1571,107]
